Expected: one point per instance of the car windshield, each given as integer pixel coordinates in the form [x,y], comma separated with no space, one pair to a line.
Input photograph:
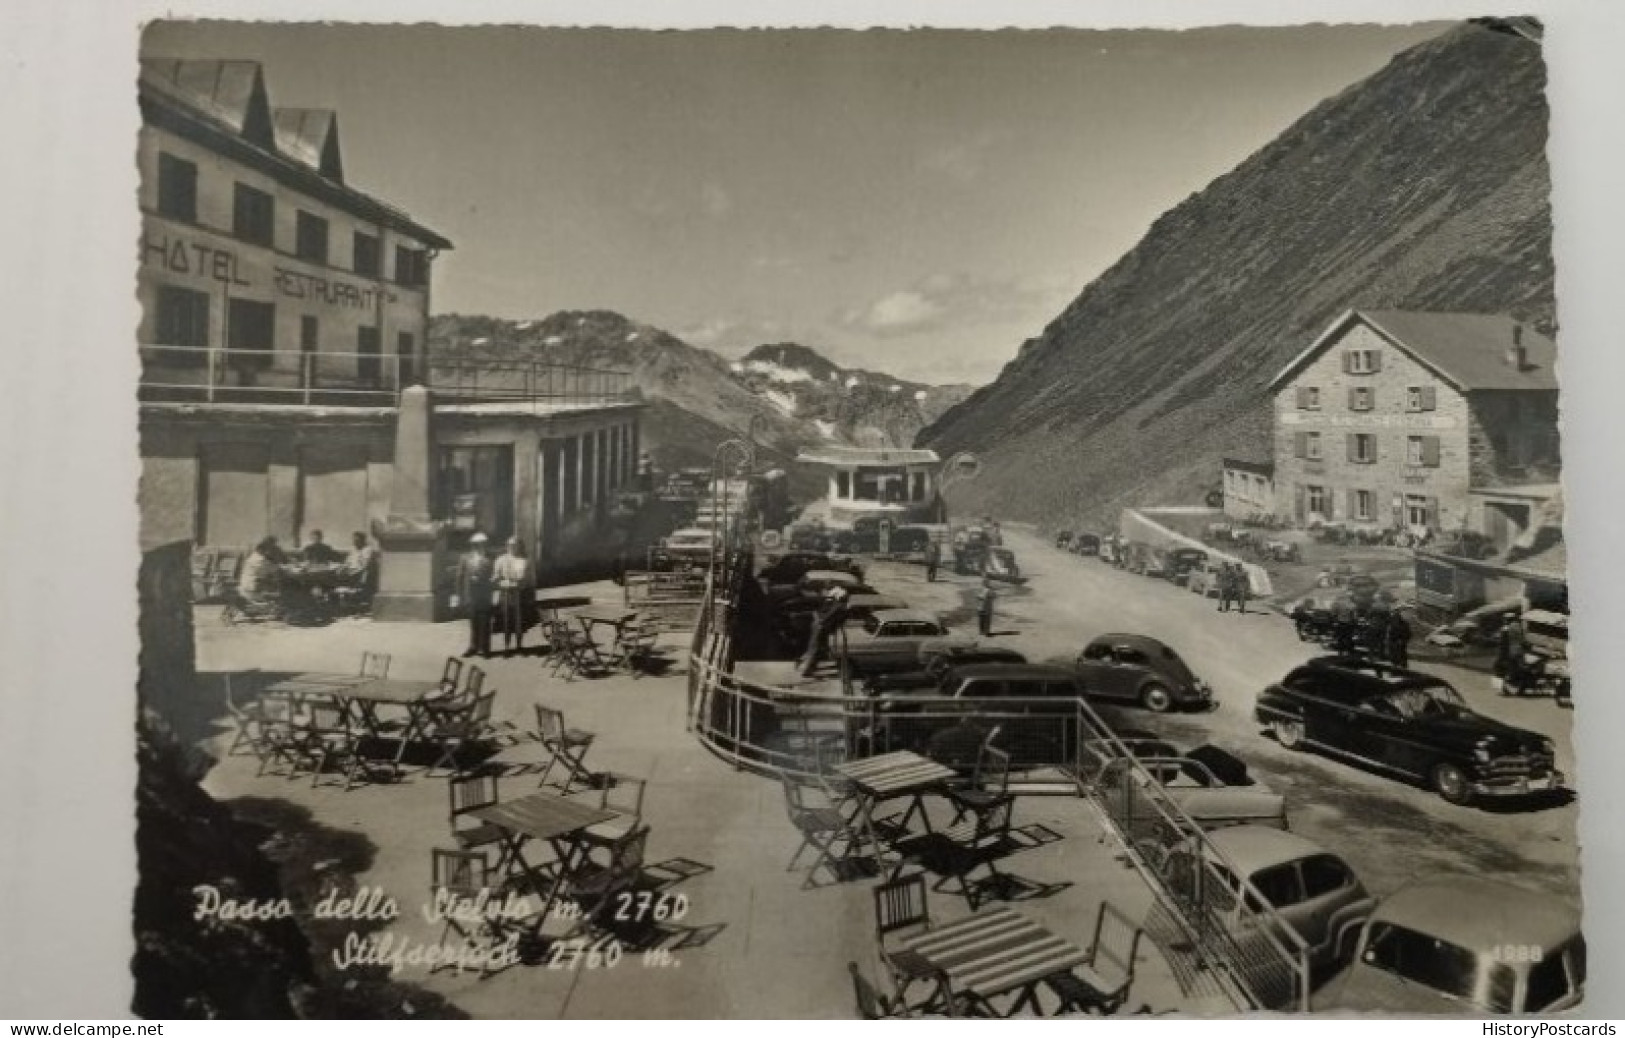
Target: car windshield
[1556,976]
[1444,967]
[1427,701]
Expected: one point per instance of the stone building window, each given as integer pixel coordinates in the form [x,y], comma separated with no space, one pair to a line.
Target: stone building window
[1362,505]
[1316,500]
[253,215]
[1362,398]
[1311,446]
[1362,362]
[310,237]
[1421,398]
[1422,451]
[1308,398]
[1362,448]
[367,255]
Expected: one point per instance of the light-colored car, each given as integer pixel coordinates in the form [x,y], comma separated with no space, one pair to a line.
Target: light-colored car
[1209,784]
[691,542]
[1312,890]
[1464,944]
[886,640]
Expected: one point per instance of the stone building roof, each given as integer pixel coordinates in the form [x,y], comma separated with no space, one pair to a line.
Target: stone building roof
[1468,351]
[860,456]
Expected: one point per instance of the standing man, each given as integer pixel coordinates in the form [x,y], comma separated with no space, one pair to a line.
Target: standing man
[474,588]
[1397,638]
[1227,586]
[933,559]
[831,614]
[1242,587]
[516,594]
[984,607]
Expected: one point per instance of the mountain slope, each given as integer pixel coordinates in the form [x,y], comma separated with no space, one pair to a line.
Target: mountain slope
[698,399]
[1422,187]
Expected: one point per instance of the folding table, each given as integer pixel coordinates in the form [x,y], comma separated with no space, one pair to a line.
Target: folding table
[363,701]
[543,816]
[891,775]
[989,954]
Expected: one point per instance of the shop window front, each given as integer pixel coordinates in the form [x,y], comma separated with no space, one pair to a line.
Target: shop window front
[476,489]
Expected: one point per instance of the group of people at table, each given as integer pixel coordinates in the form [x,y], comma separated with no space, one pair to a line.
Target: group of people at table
[270,570]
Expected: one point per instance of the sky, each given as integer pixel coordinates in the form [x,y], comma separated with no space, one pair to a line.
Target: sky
[918,203]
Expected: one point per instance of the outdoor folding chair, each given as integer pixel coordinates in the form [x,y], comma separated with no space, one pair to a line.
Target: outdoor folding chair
[622,794]
[328,738]
[872,1005]
[821,826]
[990,783]
[594,887]
[375,664]
[283,721]
[464,878]
[469,793]
[956,853]
[451,675]
[902,908]
[573,651]
[1101,985]
[638,645]
[566,747]
[456,727]
[250,730]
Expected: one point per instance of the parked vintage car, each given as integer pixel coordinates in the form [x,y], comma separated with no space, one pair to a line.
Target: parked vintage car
[1063,540]
[862,606]
[688,548]
[792,566]
[1086,544]
[1405,723]
[1312,890]
[1204,580]
[1033,706]
[814,538]
[1182,562]
[1210,784]
[936,657]
[1145,559]
[1464,944]
[1133,668]
[884,641]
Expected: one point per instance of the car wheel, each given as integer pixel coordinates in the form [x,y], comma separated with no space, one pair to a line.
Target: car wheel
[1450,782]
[1288,733]
[1156,698]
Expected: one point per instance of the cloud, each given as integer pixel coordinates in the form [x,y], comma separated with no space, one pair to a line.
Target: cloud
[731,331]
[945,300]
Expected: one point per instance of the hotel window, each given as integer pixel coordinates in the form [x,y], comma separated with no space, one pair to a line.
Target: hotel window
[1308,398]
[843,486]
[310,237]
[1362,448]
[177,188]
[253,215]
[1362,505]
[1316,500]
[183,321]
[368,257]
[308,339]
[250,329]
[411,267]
[405,350]
[1421,398]
[1311,446]
[1422,451]
[1362,362]
[1362,398]
[369,365]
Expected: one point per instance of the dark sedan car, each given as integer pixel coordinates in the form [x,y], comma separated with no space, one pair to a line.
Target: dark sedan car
[936,658]
[1408,724]
[1133,668]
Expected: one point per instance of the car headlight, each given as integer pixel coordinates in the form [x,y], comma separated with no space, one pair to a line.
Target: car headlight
[1547,746]
[1481,753]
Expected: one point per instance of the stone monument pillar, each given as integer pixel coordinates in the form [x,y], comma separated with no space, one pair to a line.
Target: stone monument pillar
[413,546]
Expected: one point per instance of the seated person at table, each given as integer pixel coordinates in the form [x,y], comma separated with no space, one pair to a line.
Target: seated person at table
[361,565]
[319,553]
[262,572]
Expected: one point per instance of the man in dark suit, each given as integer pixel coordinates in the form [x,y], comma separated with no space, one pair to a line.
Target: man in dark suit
[475,587]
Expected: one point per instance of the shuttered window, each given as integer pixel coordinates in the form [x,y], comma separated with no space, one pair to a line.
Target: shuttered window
[1421,398]
[1362,448]
[1362,362]
[1308,398]
[1422,452]
[1362,398]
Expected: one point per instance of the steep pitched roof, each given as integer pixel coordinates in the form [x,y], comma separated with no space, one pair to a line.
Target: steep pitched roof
[1466,350]
[231,90]
[311,136]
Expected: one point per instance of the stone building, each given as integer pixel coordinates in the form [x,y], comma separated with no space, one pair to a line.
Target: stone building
[893,483]
[284,323]
[1248,488]
[1393,419]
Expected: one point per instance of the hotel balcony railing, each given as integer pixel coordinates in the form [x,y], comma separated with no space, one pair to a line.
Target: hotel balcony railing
[538,383]
[177,374]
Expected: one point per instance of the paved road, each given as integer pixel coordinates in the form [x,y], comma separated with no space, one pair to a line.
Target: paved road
[1390,832]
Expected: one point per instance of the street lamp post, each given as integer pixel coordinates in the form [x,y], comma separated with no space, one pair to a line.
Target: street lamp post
[719,491]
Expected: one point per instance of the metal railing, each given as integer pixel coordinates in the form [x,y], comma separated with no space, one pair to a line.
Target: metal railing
[536,383]
[1230,927]
[182,374]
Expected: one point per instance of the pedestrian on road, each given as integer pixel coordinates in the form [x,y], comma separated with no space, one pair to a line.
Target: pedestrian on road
[1239,576]
[474,588]
[1227,587]
[984,608]
[933,559]
[1398,639]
